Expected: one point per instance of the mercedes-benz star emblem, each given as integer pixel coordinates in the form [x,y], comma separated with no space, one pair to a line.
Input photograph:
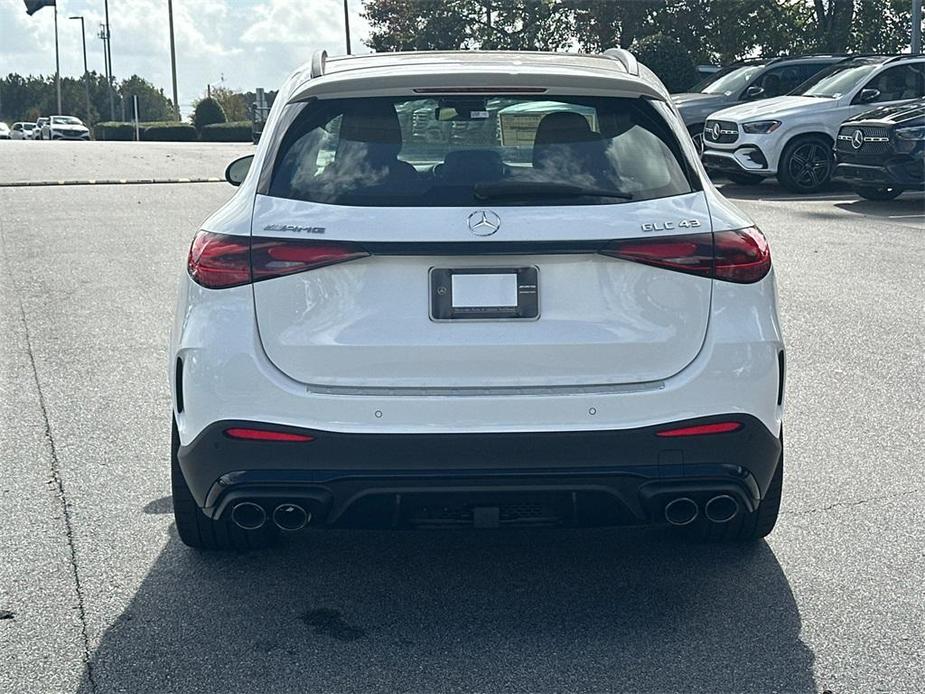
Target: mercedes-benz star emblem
[484,222]
[857,140]
[716,131]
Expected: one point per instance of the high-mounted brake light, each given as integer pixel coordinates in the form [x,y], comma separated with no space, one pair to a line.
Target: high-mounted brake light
[701,429]
[266,435]
[479,90]
[741,255]
[219,261]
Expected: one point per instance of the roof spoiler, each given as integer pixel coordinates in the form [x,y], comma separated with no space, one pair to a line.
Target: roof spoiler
[627,59]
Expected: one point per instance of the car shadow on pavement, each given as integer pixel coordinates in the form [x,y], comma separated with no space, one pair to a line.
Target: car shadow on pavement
[527,610]
[909,208]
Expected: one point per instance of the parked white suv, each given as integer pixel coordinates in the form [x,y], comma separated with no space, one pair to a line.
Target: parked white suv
[792,136]
[22,130]
[64,128]
[541,314]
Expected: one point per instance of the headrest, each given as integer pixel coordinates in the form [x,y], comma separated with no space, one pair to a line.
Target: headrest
[377,124]
[567,126]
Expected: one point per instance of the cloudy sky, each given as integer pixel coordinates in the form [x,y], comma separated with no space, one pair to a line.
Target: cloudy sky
[252,43]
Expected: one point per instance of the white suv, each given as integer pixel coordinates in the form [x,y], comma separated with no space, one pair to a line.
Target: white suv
[792,136]
[475,288]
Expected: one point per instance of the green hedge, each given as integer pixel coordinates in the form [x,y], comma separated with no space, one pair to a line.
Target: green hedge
[170,131]
[111,130]
[239,131]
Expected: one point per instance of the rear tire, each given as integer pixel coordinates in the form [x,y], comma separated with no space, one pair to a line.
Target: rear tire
[195,528]
[880,194]
[806,164]
[745,179]
[745,527]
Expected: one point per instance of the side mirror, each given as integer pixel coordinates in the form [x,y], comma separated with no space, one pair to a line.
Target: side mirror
[754,92]
[868,95]
[237,170]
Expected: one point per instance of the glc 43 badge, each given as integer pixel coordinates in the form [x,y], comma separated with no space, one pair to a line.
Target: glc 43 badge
[668,226]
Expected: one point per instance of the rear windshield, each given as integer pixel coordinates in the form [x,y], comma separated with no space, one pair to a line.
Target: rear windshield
[438,152]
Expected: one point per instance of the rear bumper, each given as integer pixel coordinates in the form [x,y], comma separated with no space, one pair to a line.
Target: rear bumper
[414,480]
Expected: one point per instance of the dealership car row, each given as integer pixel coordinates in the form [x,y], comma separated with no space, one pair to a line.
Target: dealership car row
[806,120]
[46,128]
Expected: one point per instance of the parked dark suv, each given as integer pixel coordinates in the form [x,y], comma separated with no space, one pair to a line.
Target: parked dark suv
[881,153]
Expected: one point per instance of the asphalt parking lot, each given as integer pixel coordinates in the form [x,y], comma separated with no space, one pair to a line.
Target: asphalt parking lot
[104,597]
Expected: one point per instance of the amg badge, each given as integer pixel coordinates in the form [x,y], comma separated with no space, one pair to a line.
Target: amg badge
[295,229]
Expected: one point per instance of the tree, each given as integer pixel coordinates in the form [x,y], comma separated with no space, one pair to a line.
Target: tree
[153,104]
[881,26]
[234,104]
[208,112]
[417,25]
[667,58]
[833,24]
[25,98]
[602,24]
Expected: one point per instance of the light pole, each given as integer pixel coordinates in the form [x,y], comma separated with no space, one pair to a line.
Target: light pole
[104,35]
[173,60]
[112,108]
[83,37]
[347,26]
[57,62]
[916,26]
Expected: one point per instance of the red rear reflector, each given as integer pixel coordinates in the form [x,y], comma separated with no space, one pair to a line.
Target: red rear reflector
[701,429]
[218,261]
[265,435]
[741,255]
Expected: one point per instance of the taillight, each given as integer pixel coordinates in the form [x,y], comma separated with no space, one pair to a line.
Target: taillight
[218,261]
[740,256]
[701,429]
[277,257]
[691,253]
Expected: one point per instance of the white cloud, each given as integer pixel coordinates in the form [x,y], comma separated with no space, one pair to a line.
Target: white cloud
[251,43]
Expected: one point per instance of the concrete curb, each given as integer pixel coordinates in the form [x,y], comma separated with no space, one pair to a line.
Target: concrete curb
[106,182]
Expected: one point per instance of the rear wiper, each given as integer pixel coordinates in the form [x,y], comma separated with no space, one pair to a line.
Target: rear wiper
[519,189]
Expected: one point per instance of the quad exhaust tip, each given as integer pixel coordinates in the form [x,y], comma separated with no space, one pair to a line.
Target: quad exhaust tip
[248,516]
[291,517]
[681,511]
[721,509]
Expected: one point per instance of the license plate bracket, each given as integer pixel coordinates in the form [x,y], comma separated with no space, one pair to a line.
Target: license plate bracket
[484,293]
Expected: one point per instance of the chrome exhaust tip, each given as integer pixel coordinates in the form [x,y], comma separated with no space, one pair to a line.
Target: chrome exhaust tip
[291,517]
[721,509]
[248,516]
[681,511]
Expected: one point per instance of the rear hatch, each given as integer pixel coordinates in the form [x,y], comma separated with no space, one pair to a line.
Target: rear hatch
[472,242]
[370,322]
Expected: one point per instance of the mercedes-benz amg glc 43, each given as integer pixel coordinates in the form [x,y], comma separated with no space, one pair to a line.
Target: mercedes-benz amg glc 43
[478,289]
